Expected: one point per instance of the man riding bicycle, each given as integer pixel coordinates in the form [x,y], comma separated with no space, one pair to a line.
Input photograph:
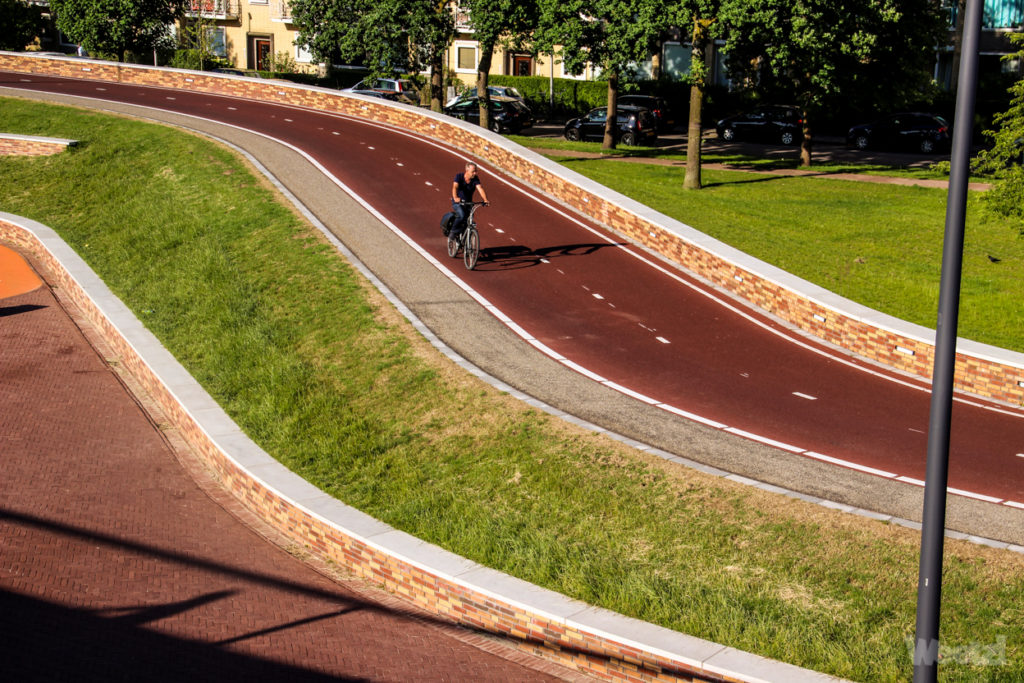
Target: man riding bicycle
[465,184]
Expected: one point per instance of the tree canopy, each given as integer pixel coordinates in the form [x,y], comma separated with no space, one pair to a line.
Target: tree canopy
[612,35]
[115,27]
[20,23]
[495,22]
[385,36]
[816,51]
[1005,159]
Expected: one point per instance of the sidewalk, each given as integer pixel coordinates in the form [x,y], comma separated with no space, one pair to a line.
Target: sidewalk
[123,560]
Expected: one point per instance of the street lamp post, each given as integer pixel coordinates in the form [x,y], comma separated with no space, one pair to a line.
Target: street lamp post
[929,583]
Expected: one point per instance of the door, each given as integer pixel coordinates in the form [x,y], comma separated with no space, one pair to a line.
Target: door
[260,51]
[522,65]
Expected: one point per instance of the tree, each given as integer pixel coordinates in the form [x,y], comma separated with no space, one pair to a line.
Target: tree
[493,21]
[700,15]
[388,36]
[817,51]
[612,35]
[116,27]
[21,24]
[1005,159]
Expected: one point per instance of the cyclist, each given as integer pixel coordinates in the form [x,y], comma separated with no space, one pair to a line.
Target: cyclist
[463,187]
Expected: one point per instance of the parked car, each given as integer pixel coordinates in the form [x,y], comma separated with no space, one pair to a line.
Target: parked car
[781,124]
[493,90]
[636,125]
[658,106]
[507,115]
[393,96]
[403,89]
[916,131]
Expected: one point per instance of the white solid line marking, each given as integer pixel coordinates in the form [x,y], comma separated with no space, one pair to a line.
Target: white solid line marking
[639,257]
[1014,504]
[807,396]
[691,416]
[765,440]
[629,392]
[851,465]
[976,496]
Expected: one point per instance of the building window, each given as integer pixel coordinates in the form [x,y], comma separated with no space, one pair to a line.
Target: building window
[215,39]
[675,60]
[466,58]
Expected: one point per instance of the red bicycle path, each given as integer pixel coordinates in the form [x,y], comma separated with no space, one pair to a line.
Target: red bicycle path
[122,559]
[594,299]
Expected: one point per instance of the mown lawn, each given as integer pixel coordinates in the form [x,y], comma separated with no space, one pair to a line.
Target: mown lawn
[325,376]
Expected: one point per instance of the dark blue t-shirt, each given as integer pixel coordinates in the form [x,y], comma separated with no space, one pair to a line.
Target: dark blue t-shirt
[466,189]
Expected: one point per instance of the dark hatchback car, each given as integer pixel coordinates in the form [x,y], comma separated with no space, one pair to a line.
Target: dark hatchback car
[507,115]
[658,106]
[779,124]
[636,125]
[926,133]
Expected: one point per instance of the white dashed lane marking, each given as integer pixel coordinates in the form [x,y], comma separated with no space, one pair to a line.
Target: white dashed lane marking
[807,396]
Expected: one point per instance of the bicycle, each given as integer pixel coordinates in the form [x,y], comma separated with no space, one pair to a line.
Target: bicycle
[468,240]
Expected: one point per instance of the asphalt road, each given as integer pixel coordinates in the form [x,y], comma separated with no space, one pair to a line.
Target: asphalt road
[584,295]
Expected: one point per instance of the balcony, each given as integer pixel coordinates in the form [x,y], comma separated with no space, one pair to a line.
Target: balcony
[281,10]
[212,9]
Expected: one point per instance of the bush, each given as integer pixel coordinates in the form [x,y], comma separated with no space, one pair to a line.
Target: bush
[571,97]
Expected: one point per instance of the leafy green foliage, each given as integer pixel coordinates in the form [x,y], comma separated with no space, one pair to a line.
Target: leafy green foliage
[571,97]
[385,36]
[20,24]
[1005,159]
[818,53]
[115,27]
[610,35]
[493,21]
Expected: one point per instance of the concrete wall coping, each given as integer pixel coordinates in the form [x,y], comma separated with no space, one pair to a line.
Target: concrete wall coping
[235,446]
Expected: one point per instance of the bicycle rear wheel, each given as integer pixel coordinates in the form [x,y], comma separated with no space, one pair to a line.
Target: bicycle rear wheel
[471,252]
[453,246]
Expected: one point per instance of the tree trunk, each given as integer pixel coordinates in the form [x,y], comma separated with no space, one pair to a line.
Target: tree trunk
[805,141]
[612,121]
[436,82]
[693,128]
[483,72]
[958,36]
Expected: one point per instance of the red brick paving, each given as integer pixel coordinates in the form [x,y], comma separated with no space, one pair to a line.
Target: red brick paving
[121,560]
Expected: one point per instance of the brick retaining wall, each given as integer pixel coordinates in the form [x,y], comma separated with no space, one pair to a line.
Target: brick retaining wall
[985,371]
[544,623]
[31,146]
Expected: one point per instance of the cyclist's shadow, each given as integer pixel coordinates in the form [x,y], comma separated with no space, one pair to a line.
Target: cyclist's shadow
[517,256]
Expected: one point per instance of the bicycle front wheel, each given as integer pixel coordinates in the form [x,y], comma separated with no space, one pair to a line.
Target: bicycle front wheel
[472,250]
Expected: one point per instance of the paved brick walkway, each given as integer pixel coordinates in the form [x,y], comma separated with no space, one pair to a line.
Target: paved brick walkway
[121,560]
